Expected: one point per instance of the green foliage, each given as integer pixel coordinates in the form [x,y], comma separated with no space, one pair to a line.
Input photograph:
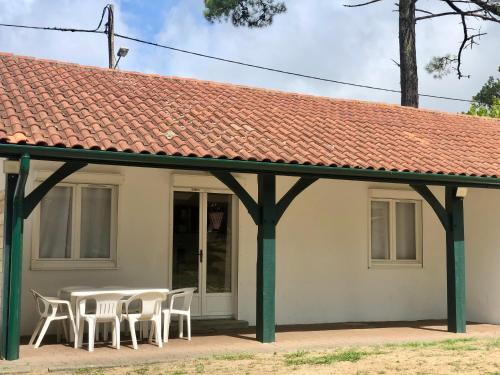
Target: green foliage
[484,110]
[487,100]
[250,13]
[489,92]
[441,66]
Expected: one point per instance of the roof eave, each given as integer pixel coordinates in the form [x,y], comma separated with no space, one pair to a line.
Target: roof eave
[243,166]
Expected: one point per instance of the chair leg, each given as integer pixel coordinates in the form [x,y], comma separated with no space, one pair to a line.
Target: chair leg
[132,333]
[37,329]
[152,332]
[117,333]
[42,333]
[157,325]
[81,328]
[188,320]
[92,329]
[181,326]
[166,325]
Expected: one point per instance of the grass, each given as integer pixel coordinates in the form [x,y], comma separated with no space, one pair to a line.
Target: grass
[234,356]
[450,344]
[471,356]
[306,358]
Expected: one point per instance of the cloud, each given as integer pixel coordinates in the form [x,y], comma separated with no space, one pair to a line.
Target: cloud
[318,37]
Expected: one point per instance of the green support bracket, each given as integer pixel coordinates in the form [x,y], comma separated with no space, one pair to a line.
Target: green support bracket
[438,208]
[10,187]
[455,262]
[228,179]
[11,326]
[285,201]
[266,260]
[41,190]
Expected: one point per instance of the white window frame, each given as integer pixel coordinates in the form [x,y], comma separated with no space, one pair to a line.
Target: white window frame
[393,197]
[77,181]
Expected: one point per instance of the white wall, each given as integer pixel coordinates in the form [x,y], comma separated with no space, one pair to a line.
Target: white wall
[322,261]
[482,255]
[143,206]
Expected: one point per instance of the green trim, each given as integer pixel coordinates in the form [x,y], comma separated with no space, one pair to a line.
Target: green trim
[266,260]
[41,190]
[302,184]
[252,207]
[434,203]
[16,264]
[211,164]
[10,186]
[455,262]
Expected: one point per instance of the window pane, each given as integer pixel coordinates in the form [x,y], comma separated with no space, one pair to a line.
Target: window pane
[55,223]
[186,240]
[380,230]
[219,240]
[406,247]
[95,234]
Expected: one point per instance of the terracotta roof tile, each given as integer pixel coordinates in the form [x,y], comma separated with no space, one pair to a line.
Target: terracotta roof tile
[51,103]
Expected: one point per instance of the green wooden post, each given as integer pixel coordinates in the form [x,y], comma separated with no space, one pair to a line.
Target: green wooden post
[455,262]
[10,186]
[11,326]
[266,259]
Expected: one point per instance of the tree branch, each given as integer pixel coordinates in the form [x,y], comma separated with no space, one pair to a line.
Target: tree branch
[361,4]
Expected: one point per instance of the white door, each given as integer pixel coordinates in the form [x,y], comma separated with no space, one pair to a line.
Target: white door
[203,250]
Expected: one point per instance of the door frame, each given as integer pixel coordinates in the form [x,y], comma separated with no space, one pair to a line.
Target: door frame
[234,242]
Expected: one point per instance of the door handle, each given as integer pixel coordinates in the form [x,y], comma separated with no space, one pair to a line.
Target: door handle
[200,254]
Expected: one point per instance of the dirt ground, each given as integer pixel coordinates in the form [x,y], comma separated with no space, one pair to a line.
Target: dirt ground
[452,356]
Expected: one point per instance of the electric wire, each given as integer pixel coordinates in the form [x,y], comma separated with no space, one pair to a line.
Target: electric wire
[230,61]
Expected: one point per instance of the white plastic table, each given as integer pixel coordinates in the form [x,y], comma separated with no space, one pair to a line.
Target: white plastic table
[75,295]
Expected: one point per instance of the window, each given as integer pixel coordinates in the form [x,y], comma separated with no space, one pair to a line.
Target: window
[75,227]
[395,228]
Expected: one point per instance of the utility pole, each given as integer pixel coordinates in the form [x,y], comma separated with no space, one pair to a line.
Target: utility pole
[111,36]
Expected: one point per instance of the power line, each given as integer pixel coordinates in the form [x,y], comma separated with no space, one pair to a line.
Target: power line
[323,79]
[230,61]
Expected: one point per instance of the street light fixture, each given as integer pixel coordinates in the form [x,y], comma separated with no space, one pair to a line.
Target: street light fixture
[122,52]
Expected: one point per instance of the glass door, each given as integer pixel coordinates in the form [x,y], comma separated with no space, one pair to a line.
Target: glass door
[202,250]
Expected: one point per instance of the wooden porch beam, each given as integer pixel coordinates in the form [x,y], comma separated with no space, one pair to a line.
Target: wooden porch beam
[31,201]
[12,309]
[455,262]
[285,201]
[228,179]
[438,208]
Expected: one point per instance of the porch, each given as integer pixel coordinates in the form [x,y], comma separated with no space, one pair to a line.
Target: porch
[59,357]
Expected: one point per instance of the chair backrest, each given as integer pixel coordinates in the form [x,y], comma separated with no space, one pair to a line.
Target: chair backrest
[42,304]
[181,299]
[106,304]
[150,303]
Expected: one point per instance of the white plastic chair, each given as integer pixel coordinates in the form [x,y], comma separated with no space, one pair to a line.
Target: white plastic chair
[150,311]
[179,303]
[107,310]
[49,310]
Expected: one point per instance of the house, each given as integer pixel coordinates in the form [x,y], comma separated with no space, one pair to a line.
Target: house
[280,208]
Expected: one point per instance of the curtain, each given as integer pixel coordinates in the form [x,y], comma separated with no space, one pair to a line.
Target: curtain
[406,247]
[55,223]
[95,234]
[380,230]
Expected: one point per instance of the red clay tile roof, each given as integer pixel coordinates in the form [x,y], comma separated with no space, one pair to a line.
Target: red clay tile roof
[66,105]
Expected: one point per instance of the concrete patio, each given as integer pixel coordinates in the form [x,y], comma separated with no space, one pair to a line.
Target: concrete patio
[52,357]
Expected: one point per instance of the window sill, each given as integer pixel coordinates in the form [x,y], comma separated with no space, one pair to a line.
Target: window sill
[394,264]
[68,265]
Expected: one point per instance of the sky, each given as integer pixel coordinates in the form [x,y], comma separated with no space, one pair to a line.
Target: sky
[314,37]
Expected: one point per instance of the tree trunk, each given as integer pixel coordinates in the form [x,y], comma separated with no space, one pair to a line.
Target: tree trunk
[408,54]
